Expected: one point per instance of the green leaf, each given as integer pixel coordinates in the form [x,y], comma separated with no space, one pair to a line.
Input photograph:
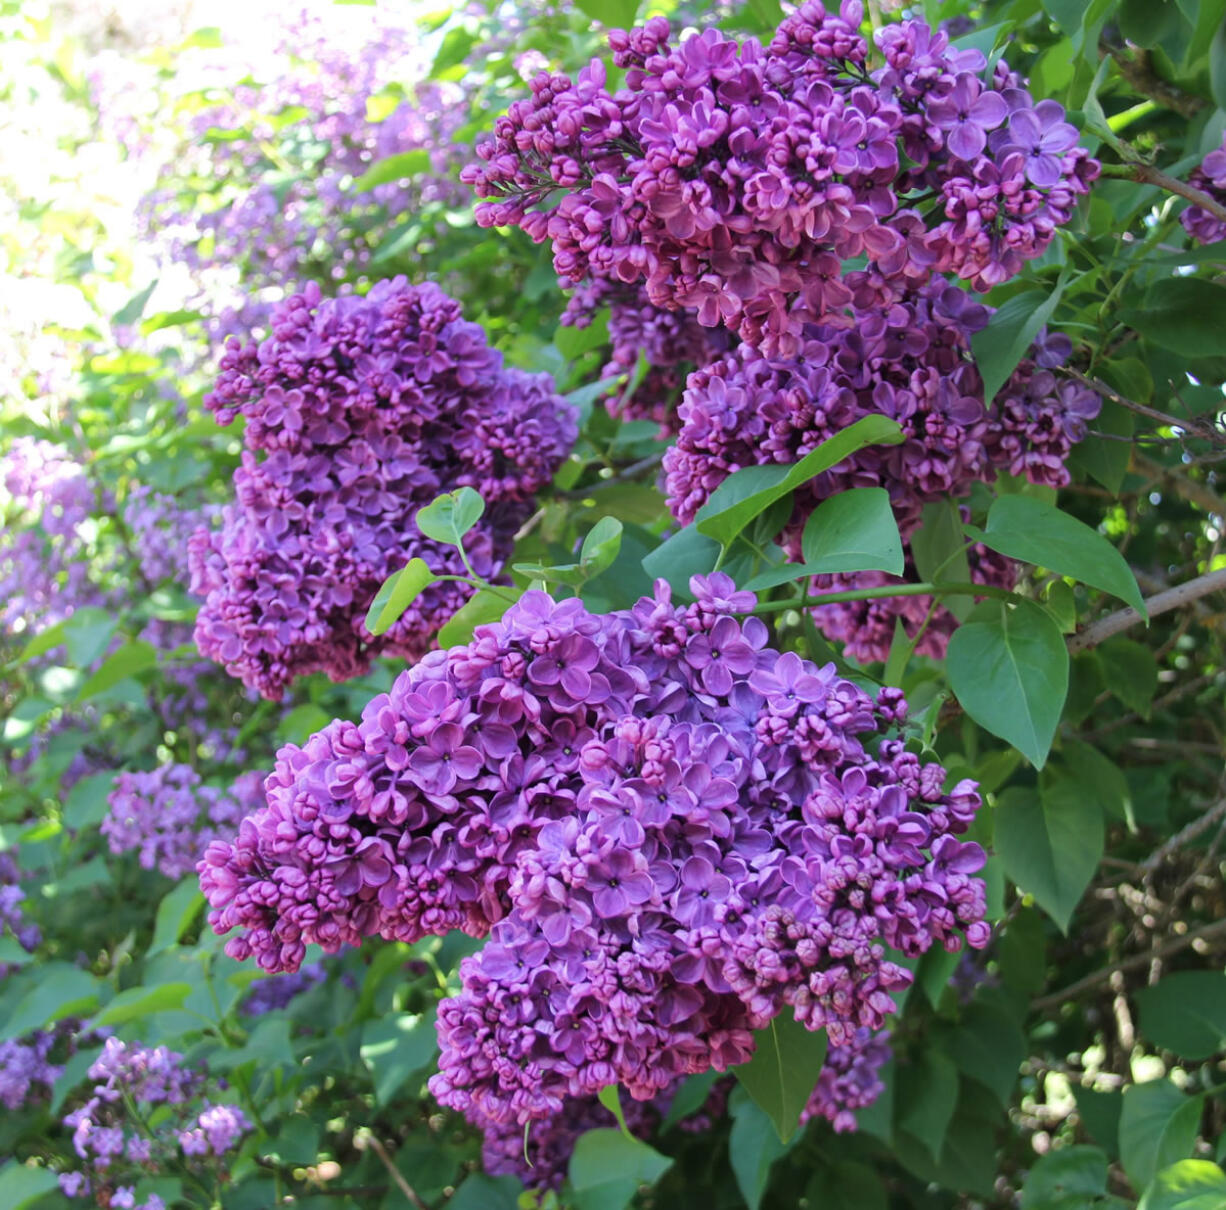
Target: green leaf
[987,1045]
[396,594]
[1058,1174]
[481,1192]
[1146,22]
[682,555]
[601,546]
[847,1186]
[1008,667]
[933,973]
[1217,66]
[62,991]
[1158,1127]
[1184,314]
[747,493]
[482,607]
[448,518]
[396,1046]
[610,1098]
[177,912]
[22,1185]
[1188,1185]
[1027,529]
[781,1075]
[87,633]
[134,657]
[134,308]
[1010,332]
[753,1147]
[86,805]
[690,1097]
[607,1168]
[1185,1013]
[925,1099]
[612,14]
[1100,1115]
[854,531]
[402,167]
[138,1002]
[1131,672]
[1050,844]
[938,548]
[300,723]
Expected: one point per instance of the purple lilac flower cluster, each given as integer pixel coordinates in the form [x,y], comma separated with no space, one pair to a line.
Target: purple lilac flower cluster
[735,179]
[276,991]
[161,528]
[365,408]
[12,917]
[669,830]
[671,342]
[1209,178]
[850,1080]
[45,499]
[26,1071]
[117,1149]
[323,114]
[906,357]
[168,816]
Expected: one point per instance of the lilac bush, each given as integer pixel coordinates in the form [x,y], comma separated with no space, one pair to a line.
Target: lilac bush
[364,409]
[735,179]
[670,832]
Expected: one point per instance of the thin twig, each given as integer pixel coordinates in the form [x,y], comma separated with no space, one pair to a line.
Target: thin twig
[397,1176]
[1172,598]
[625,475]
[1140,75]
[1198,493]
[1055,999]
[1147,174]
[1201,824]
[1188,426]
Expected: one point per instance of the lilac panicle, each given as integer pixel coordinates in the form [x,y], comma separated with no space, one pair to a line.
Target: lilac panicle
[360,410]
[669,831]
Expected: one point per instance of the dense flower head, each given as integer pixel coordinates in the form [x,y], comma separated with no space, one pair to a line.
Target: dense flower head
[734,178]
[906,357]
[850,1080]
[360,410]
[1210,178]
[142,1114]
[161,527]
[12,915]
[669,831]
[275,992]
[46,502]
[671,343]
[26,1071]
[866,628]
[168,816]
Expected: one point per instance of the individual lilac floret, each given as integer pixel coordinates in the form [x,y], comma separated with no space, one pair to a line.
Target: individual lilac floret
[364,409]
[670,832]
[732,179]
[117,1148]
[1209,178]
[167,816]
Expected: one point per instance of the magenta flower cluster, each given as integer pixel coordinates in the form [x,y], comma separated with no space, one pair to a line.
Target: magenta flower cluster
[850,1079]
[364,409]
[117,1149]
[735,179]
[161,527]
[26,1072]
[168,816]
[1209,178]
[12,915]
[46,498]
[907,357]
[670,831]
[672,343]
